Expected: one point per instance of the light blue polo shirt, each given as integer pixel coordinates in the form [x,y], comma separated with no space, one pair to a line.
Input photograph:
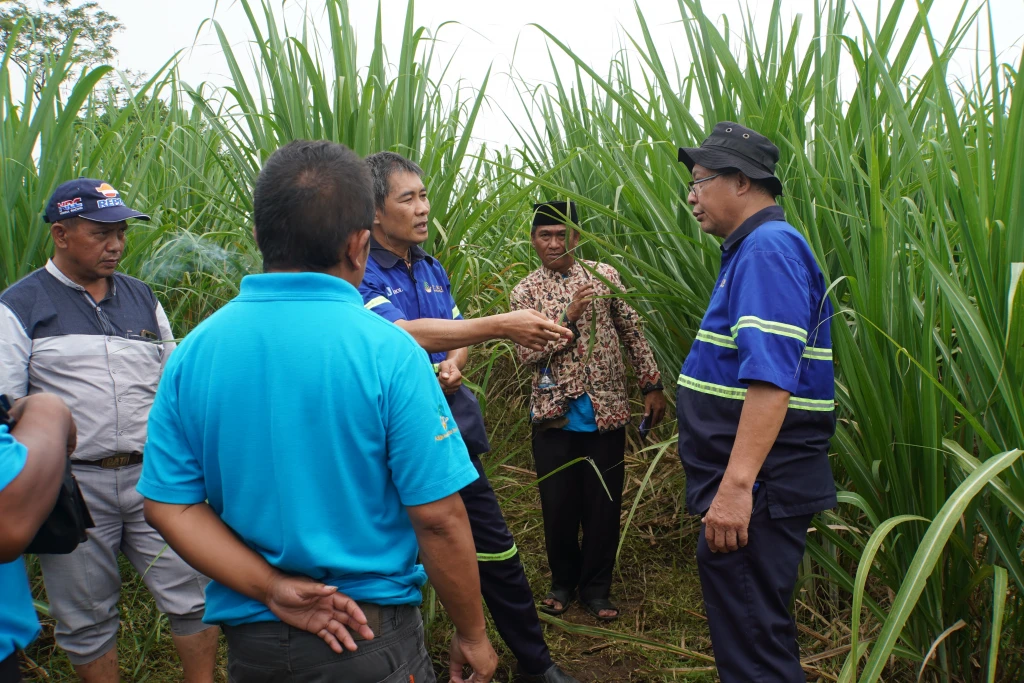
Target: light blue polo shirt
[309,424]
[18,622]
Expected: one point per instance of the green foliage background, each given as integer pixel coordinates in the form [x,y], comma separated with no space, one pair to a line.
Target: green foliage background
[909,190]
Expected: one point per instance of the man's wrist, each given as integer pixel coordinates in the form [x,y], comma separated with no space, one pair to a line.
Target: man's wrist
[740,482]
[651,388]
[472,636]
[499,326]
[267,585]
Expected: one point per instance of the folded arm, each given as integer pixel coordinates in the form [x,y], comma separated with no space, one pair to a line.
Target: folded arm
[203,540]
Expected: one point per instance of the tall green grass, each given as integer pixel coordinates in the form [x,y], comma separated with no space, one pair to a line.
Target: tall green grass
[908,186]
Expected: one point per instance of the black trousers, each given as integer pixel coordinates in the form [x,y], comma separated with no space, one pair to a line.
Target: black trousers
[747,595]
[274,652]
[10,670]
[502,578]
[575,498]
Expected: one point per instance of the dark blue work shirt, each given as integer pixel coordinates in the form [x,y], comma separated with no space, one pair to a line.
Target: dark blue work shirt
[395,292]
[768,321]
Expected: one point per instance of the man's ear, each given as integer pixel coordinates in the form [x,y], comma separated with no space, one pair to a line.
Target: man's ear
[357,249]
[59,233]
[376,217]
[744,185]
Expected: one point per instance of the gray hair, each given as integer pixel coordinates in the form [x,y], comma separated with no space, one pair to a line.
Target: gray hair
[382,166]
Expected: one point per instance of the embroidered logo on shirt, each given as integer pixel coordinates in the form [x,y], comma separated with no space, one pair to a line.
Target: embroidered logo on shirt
[445,432]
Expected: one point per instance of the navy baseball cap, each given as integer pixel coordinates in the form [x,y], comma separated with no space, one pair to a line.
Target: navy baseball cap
[88,198]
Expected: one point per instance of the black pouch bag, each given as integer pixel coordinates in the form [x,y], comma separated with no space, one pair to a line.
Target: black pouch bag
[66,525]
[65,528]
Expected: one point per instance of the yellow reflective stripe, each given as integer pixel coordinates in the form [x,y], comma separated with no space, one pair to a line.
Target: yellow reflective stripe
[815,353]
[456,312]
[716,339]
[814,404]
[738,393]
[769,327]
[376,301]
[713,389]
[810,352]
[437,367]
[497,557]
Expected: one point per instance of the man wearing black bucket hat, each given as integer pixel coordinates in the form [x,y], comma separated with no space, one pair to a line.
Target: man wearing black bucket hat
[98,339]
[755,404]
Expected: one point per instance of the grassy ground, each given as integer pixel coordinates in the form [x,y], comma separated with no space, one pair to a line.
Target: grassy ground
[656,585]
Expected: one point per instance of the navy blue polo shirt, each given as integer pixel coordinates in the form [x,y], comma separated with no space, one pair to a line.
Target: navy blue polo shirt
[395,292]
[768,321]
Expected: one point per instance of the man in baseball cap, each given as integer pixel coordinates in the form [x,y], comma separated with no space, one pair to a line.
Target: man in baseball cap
[755,406]
[97,338]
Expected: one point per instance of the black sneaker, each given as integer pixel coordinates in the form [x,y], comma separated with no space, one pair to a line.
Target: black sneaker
[552,675]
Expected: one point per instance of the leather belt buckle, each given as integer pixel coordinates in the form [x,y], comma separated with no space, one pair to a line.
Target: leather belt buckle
[114,461]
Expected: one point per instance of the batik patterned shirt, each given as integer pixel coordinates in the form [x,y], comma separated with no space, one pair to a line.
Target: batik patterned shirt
[591,362]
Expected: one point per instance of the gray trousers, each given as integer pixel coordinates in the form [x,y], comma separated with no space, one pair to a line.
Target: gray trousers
[84,586]
[273,652]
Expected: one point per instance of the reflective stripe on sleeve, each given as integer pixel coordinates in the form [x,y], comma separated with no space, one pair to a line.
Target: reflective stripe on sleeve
[456,313]
[769,327]
[739,393]
[810,352]
[497,557]
[376,301]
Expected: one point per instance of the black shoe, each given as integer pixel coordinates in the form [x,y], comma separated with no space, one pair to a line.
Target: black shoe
[552,675]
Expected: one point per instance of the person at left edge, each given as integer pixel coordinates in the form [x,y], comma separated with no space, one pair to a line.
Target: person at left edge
[99,339]
[407,286]
[33,455]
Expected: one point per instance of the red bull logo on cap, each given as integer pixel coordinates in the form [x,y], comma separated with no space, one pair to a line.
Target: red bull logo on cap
[107,191]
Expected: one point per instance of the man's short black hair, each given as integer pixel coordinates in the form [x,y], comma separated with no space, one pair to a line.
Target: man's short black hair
[309,198]
[382,166]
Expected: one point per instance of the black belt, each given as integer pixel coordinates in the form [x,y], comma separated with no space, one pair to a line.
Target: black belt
[113,462]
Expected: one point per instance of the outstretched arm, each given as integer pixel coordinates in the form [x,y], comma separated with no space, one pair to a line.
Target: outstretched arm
[528,328]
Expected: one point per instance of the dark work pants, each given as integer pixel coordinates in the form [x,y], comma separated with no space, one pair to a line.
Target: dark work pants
[10,670]
[274,652]
[502,579]
[747,595]
[574,498]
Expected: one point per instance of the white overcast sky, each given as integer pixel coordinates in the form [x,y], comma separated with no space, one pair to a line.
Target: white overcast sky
[492,32]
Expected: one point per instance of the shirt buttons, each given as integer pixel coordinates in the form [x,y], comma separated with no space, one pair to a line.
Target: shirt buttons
[120,398]
[120,432]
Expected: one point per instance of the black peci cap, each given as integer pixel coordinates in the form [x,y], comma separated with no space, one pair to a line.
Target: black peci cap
[555,213]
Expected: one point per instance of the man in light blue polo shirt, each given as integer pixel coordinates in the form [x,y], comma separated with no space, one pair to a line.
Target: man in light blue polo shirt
[301,453]
[33,456]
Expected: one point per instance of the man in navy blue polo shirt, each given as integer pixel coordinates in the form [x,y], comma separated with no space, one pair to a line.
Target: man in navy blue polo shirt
[301,454]
[407,286]
[755,405]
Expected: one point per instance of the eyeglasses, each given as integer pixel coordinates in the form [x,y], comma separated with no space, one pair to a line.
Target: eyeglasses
[694,186]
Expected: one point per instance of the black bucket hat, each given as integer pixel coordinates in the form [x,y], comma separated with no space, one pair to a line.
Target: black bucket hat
[731,145]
